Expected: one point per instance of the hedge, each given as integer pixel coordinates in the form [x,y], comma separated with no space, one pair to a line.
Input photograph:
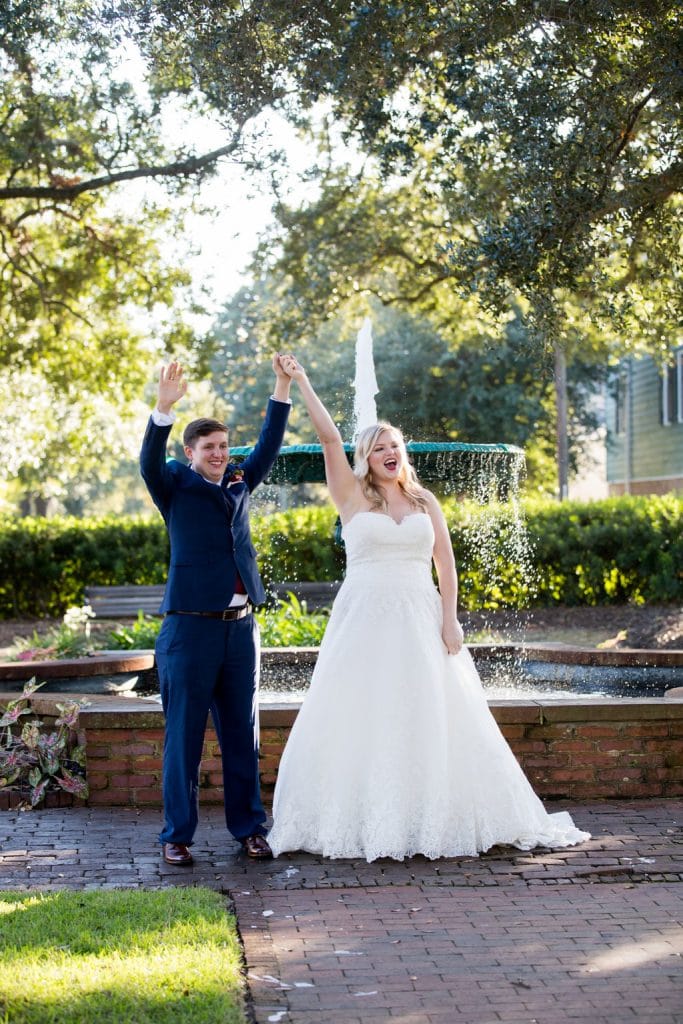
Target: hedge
[615,551]
[45,564]
[619,550]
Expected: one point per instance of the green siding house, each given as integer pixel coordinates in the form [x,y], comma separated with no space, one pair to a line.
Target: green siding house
[645,428]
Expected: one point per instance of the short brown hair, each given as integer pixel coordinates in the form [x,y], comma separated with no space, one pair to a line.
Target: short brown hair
[200,428]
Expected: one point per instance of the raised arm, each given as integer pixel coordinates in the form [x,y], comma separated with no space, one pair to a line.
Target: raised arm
[343,485]
[282,381]
[171,388]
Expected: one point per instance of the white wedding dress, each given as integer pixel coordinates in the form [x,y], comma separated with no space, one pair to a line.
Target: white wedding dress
[394,751]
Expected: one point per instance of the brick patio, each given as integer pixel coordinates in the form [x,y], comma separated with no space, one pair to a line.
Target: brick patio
[592,934]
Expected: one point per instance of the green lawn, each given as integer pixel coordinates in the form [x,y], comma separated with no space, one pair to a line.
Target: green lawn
[126,956]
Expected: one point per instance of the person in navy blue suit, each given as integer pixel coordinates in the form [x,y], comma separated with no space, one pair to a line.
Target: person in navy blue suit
[207,652]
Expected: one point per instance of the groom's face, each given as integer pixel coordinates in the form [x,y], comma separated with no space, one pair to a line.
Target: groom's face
[209,455]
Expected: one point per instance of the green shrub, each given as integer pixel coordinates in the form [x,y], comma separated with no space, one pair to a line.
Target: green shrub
[608,552]
[492,553]
[603,552]
[298,545]
[45,564]
[139,635]
[619,550]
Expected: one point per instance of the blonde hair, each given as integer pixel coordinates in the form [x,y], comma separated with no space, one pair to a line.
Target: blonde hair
[407,478]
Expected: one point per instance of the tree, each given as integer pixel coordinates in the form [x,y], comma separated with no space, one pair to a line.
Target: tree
[87,301]
[362,242]
[555,124]
[551,132]
[550,129]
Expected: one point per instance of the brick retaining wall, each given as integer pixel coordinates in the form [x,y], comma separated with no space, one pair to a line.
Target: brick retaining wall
[568,749]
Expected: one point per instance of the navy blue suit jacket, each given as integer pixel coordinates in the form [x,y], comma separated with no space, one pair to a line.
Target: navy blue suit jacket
[208,525]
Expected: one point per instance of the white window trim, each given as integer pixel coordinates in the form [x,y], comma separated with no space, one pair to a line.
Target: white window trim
[678,377]
[666,422]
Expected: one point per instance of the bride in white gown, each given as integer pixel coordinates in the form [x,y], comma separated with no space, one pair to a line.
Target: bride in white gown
[394,751]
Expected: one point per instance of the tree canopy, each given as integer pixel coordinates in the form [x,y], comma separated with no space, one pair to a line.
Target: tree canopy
[88,299]
[522,157]
[554,127]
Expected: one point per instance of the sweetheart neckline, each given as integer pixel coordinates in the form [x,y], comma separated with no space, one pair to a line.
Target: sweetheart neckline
[384,515]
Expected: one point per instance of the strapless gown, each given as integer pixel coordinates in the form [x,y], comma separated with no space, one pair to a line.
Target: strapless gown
[394,751]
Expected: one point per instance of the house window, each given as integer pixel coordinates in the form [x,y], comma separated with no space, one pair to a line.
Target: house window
[672,391]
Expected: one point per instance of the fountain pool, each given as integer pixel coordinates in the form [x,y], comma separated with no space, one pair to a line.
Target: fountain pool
[514,672]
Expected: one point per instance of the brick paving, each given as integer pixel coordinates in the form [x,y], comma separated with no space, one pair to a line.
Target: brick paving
[593,934]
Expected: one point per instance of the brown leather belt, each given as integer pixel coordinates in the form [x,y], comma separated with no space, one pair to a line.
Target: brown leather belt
[227,615]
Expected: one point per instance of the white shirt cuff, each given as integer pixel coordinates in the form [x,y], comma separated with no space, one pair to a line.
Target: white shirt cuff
[283,401]
[163,419]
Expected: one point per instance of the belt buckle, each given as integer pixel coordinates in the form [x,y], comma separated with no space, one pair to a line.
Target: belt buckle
[227,614]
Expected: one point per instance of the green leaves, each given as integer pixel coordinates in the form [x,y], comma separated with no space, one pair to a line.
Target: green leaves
[83,281]
[290,624]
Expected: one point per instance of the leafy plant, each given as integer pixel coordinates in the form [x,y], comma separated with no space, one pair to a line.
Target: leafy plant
[69,640]
[35,759]
[291,625]
[140,635]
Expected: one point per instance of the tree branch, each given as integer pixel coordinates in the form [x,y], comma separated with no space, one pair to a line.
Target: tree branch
[654,189]
[75,187]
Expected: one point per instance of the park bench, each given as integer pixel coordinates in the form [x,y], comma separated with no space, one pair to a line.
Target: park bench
[120,602]
[124,601]
[316,595]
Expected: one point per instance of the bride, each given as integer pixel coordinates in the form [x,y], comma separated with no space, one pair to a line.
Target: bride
[394,751]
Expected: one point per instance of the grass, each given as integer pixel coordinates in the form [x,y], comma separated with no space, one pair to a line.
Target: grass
[126,956]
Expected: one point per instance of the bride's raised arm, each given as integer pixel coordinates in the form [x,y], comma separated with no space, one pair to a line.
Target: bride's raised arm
[343,485]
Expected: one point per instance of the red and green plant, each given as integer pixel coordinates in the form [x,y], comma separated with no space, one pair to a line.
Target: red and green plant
[34,759]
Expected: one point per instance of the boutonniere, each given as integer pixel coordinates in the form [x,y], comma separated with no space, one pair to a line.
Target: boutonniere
[236,476]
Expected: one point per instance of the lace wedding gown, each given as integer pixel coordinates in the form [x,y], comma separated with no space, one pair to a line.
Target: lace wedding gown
[394,751]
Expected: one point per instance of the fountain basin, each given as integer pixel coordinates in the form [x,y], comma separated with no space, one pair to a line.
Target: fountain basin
[515,671]
[569,749]
[570,746]
[508,671]
[481,469]
[103,672]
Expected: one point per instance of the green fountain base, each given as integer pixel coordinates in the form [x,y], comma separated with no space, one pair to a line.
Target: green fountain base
[480,470]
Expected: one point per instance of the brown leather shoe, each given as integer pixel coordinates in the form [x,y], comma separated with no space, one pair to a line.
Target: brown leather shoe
[177,854]
[257,847]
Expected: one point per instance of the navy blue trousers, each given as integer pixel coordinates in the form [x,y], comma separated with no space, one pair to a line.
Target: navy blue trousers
[208,665]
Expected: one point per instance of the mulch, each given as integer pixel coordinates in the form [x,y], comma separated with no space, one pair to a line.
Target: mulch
[649,626]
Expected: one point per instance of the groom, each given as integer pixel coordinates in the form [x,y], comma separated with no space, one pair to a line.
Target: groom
[207,652]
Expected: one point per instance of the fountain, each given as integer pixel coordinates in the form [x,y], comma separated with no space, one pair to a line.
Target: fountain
[482,471]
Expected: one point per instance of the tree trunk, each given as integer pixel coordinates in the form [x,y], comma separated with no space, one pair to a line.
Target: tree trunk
[562,440]
[33,504]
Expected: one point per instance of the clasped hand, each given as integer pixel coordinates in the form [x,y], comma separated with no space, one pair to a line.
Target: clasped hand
[292,367]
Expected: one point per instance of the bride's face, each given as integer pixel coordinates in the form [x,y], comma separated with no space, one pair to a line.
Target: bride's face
[386,458]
